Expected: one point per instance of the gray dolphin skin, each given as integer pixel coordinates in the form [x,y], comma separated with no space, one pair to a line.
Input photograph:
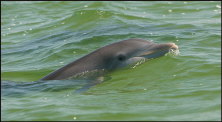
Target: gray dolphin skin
[113,56]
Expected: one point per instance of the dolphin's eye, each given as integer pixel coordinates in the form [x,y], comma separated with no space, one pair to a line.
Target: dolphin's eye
[121,57]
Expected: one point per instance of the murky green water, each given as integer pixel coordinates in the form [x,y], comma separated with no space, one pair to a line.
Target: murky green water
[39,37]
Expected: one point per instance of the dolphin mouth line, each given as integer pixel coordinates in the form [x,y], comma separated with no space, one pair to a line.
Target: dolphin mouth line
[154,54]
[172,50]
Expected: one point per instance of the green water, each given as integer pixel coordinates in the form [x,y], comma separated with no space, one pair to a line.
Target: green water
[40,37]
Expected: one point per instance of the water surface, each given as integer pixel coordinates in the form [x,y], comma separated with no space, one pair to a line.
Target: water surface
[40,37]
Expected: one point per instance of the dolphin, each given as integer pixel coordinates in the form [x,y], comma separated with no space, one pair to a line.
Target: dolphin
[113,56]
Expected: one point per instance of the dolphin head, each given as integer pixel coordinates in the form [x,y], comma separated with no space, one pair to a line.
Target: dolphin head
[131,51]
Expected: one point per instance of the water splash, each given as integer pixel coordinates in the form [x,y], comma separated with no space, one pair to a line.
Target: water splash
[173,52]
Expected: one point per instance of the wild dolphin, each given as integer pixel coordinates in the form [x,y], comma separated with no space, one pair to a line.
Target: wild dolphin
[113,56]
